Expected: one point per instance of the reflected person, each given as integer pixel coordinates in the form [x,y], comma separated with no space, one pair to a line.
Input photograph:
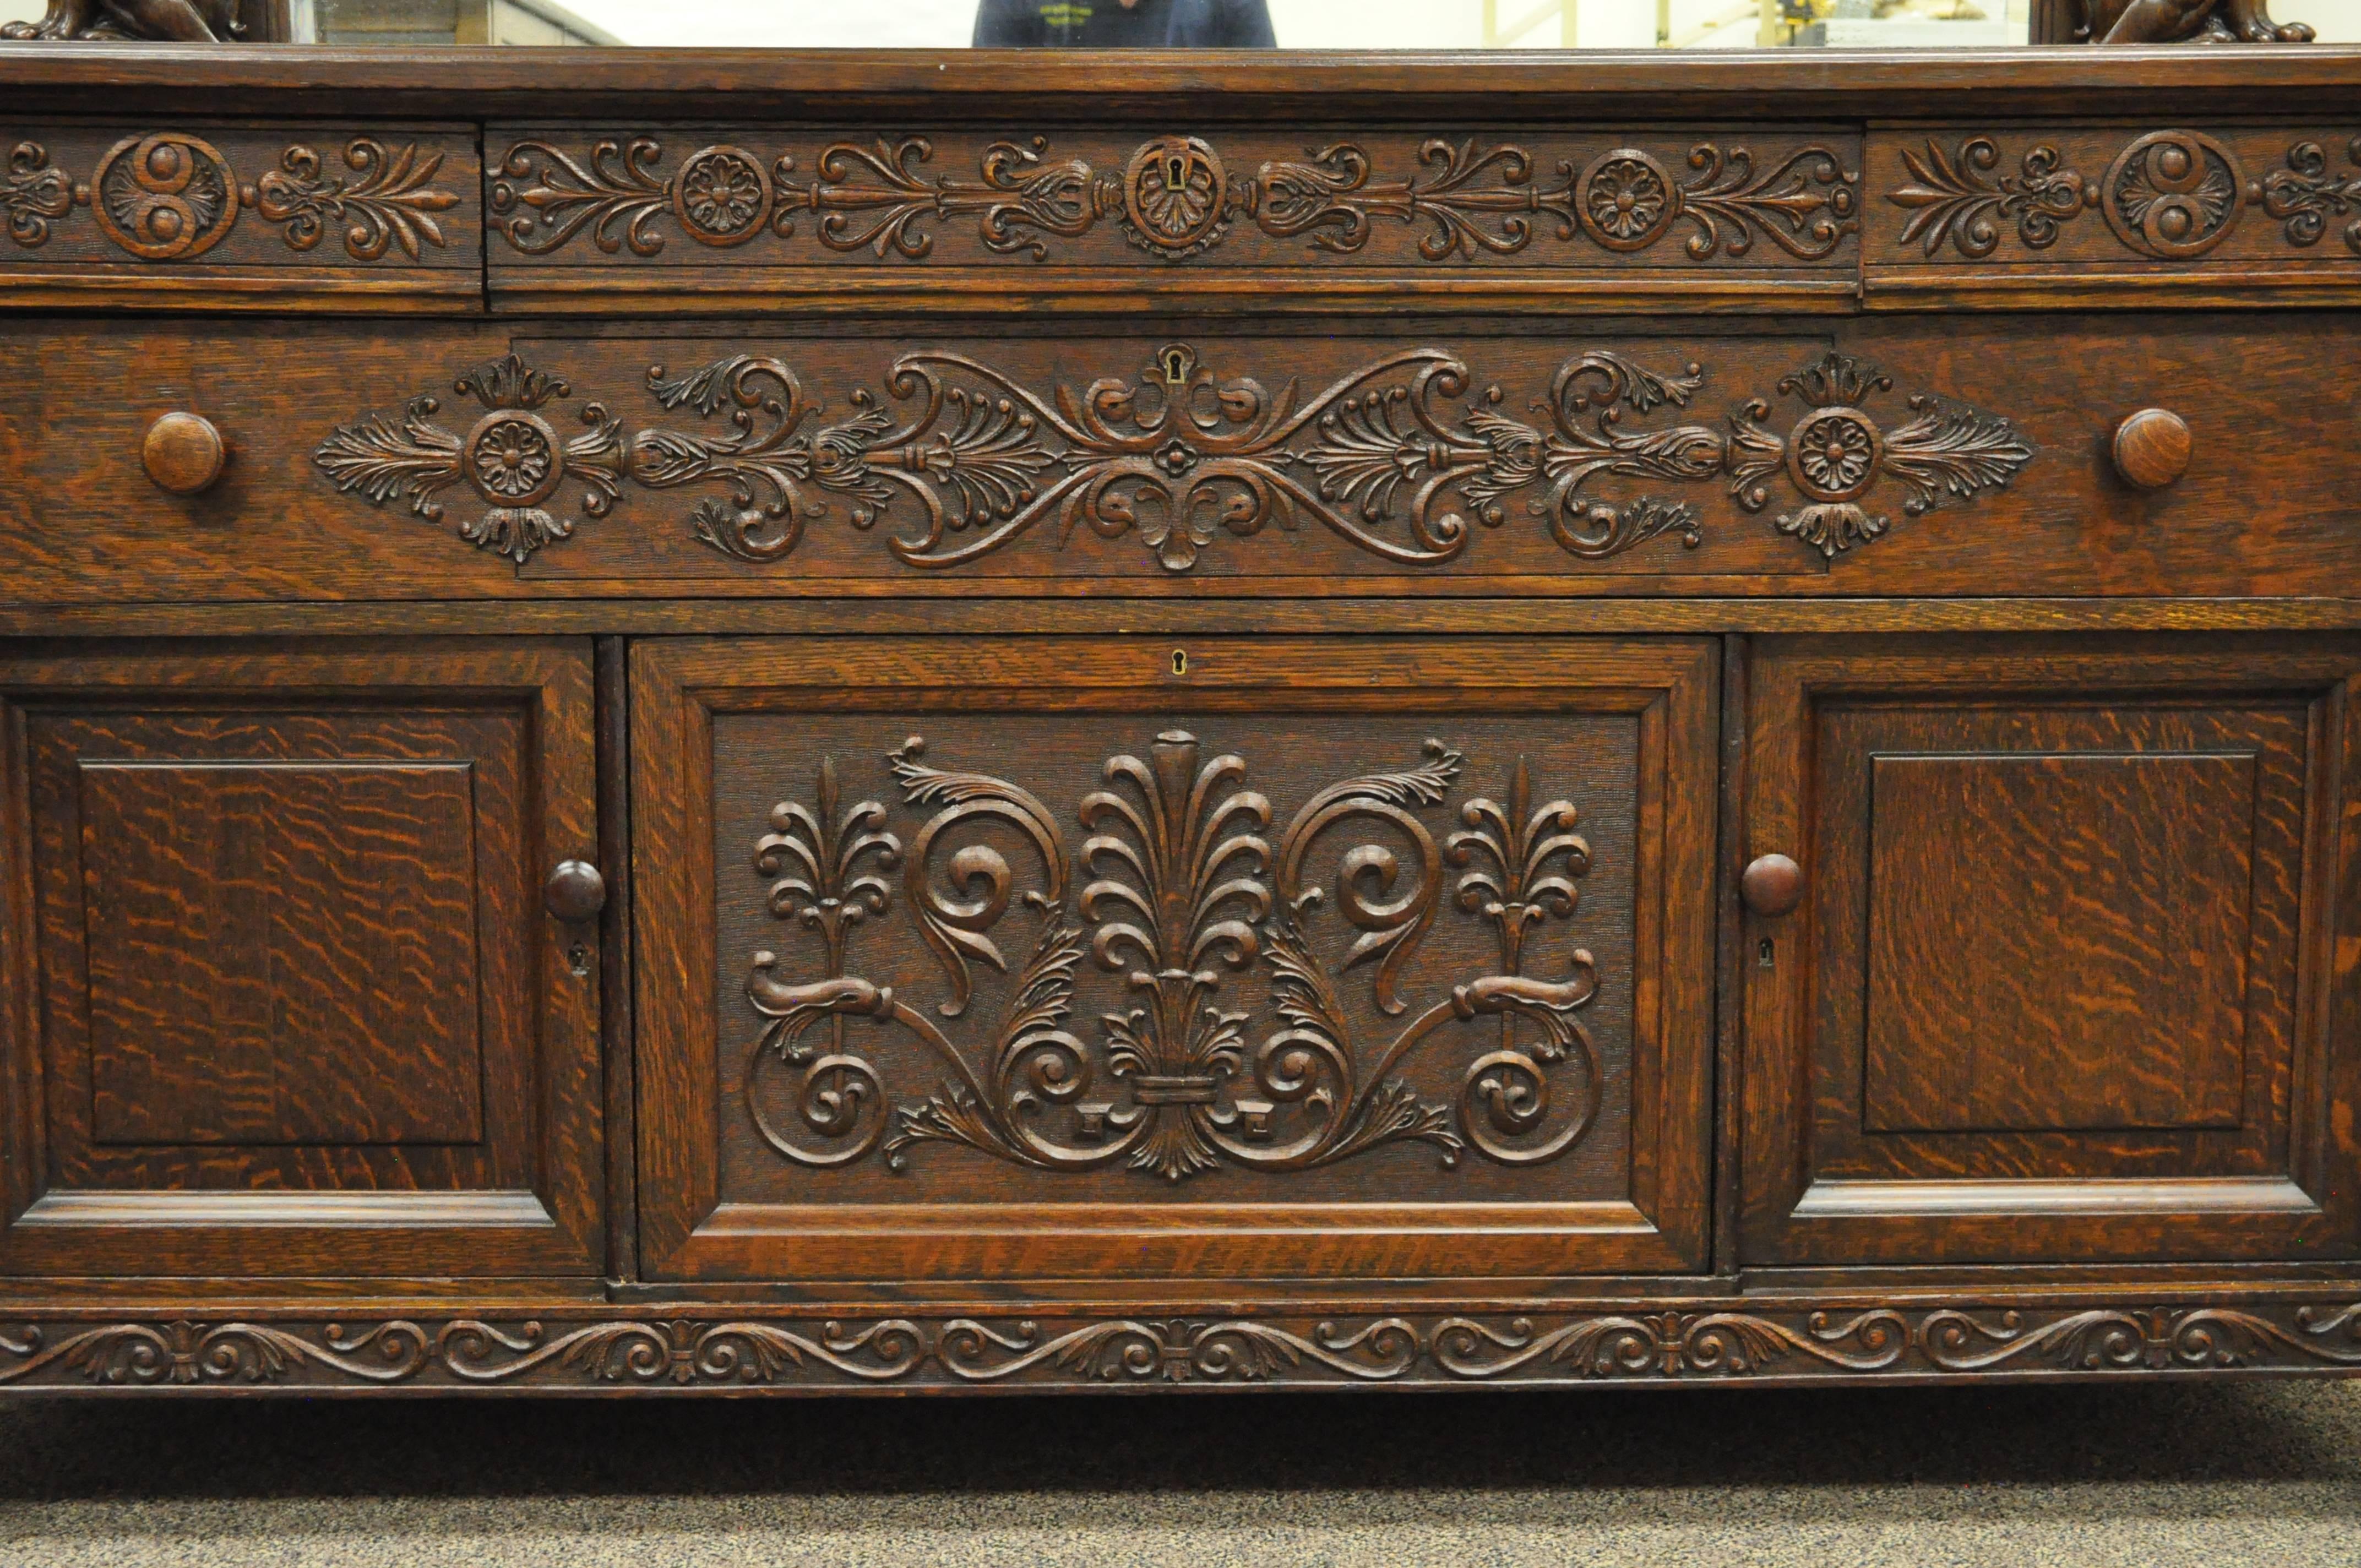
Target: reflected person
[1123,24]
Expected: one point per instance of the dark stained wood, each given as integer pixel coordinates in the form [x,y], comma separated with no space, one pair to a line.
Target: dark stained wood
[1624,446]
[1319,87]
[768,1148]
[297,1006]
[2152,448]
[2022,498]
[1772,885]
[238,216]
[2057,990]
[183,453]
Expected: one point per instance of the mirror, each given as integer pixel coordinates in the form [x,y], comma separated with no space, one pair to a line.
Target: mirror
[1285,24]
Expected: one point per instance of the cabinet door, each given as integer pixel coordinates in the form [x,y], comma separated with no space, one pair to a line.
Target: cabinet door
[283,997]
[1053,959]
[2072,978]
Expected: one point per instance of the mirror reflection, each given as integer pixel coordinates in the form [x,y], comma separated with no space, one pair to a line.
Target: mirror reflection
[1188,24]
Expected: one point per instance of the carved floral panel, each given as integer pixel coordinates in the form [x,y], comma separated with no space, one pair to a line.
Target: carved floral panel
[1179,955]
[172,195]
[1157,197]
[1739,1339]
[1114,457]
[2167,194]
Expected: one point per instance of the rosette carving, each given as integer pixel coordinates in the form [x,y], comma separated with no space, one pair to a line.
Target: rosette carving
[513,457]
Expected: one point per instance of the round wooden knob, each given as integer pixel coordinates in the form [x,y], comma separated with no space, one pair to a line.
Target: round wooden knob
[1772,885]
[2152,448]
[183,453]
[575,892]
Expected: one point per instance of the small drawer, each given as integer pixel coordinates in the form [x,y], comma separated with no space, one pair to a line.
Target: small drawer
[2170,215]
[243,217]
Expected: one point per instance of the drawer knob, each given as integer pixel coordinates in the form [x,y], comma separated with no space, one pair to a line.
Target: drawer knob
[1772,885]
[576,891]
[183,453]
[2152,448]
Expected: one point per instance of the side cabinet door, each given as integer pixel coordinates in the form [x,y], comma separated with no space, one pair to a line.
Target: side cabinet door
[2072,974]
[1052,959]
[282,994]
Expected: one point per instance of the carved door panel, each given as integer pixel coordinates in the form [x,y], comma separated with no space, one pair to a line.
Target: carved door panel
[2072,974]
[1059,959]
[283,997]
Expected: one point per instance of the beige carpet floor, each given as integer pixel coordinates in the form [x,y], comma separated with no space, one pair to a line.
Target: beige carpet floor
[2225,1474]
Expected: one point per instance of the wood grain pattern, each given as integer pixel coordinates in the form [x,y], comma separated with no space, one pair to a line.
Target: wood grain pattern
[861,1177]
[281,953]
[276,527]
[2016,1017]
[2058,943]
[298,1006]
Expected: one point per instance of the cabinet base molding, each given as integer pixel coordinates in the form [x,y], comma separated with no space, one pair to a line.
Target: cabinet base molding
[1699,1342]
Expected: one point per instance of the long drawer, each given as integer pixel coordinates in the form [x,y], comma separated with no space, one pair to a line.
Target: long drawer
[2183,454]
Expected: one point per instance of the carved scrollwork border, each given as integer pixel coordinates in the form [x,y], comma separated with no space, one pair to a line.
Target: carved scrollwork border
[1173,198]
[168,196]
[1406,458]
[1731,1341]
[2168,195]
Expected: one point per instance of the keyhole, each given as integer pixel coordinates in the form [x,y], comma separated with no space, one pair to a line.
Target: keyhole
[1180,661]
[578,959]
[1176,366]
[1766,955]
[1176,172]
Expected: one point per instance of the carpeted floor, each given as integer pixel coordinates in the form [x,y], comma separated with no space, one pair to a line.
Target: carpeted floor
[2225,1474]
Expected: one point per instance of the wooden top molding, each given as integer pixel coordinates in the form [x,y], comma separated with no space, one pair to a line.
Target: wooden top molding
[1208,86]
[184,213]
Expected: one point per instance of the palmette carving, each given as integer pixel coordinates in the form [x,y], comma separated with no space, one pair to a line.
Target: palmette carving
[2172,195]
[170,197]
[1174,198]
[513,457]
[1182,888]
[1731,1340]
[388,203]
[961,461]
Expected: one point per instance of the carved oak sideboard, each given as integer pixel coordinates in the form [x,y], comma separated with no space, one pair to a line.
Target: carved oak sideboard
[719,721]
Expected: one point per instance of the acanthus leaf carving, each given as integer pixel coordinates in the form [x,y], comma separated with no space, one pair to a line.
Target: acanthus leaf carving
[1181,888]
[513,457]
[965,460]
[388,203]
[1174,198]
[1952,201]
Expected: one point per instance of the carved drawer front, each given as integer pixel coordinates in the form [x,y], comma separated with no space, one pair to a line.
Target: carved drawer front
[2071,973]
[243,216]
[1976,455]
[282,994]
[2193,215]
[1058,959]
[743,218]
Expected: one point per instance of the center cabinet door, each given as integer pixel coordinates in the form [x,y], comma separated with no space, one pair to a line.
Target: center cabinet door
[1062,958]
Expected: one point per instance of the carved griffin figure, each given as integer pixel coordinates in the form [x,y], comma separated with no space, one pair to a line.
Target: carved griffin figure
[157,21]
[2175,21]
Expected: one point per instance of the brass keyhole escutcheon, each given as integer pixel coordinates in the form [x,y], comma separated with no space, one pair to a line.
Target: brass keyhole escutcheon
[1176,172]
[1176,366]
[1179,661]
